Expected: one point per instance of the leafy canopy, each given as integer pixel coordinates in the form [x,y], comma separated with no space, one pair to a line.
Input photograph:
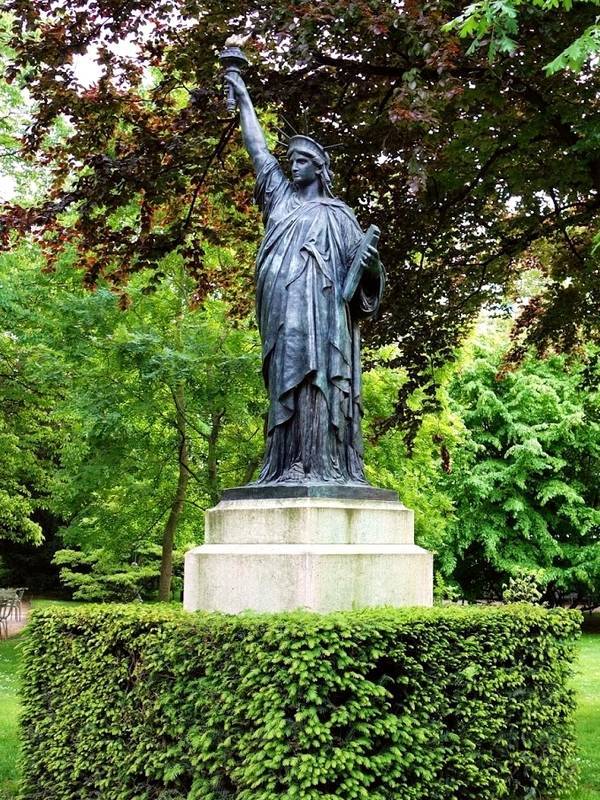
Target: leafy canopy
[90,427]
[464,165]
[495,24]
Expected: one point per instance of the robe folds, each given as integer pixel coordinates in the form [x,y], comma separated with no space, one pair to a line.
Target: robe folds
[310,334]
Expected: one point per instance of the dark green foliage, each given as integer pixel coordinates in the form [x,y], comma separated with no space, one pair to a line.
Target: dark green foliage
[525,482]
[25,564]
[412,704]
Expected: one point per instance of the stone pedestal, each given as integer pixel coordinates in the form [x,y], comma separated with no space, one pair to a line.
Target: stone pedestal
[318,553]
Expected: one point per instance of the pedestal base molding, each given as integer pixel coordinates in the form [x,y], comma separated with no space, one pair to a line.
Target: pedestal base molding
[320,554]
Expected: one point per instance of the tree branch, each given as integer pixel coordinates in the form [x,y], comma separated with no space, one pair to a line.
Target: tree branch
[222,143]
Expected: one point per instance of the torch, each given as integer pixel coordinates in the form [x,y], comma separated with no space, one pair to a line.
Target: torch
[233,60]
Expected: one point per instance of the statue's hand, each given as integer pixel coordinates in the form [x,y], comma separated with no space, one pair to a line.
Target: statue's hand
[235,80]
[371,259]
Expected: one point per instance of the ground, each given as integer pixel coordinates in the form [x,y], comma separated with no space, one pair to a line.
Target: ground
[9,703]
[586,682]
[587,719]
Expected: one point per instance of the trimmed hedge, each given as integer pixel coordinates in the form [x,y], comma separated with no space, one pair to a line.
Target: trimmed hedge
[132,703]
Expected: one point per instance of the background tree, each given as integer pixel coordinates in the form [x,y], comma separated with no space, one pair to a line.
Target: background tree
[154,409]
[415,472]
[28,442]
[448,154]
[496,26]
[30,388]
[525,479]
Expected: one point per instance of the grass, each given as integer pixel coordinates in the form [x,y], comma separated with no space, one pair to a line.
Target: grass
[587,718]
[9,708]
[9,703]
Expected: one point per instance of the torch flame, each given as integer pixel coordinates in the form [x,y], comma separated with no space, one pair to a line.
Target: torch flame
[236,40]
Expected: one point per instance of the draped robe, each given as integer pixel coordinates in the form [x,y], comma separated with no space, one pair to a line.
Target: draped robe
[310,334]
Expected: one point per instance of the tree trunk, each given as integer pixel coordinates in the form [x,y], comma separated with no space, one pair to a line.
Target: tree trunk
[166,564]
[213,437]
[250,469]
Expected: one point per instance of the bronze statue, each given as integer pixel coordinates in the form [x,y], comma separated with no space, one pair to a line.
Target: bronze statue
[317,276]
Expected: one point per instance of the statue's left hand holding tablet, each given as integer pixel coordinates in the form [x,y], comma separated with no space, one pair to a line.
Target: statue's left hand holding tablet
[371,259]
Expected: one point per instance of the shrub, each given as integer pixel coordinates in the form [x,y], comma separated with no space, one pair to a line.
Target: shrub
[418,704]
[523,589]
[97,576]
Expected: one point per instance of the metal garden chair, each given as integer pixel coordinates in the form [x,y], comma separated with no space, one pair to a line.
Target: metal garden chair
[7,606]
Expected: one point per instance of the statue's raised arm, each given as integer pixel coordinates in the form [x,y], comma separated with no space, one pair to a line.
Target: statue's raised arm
[254,138]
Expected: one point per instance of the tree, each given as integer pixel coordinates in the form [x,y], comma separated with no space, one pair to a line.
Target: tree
[416,473]
[495,25]
[29,441]
[525,478]
[168,407]
[157,407]
[448,154]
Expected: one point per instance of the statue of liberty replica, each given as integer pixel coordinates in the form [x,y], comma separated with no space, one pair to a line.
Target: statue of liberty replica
[310,532]
[317,276]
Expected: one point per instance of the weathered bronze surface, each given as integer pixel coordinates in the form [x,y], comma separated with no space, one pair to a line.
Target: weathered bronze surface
[233,61]
[334,491]
[317,276]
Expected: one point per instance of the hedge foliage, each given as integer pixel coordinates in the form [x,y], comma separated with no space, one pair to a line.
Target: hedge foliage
[125,703]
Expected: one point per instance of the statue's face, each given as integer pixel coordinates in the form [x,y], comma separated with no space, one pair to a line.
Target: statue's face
[304,171]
